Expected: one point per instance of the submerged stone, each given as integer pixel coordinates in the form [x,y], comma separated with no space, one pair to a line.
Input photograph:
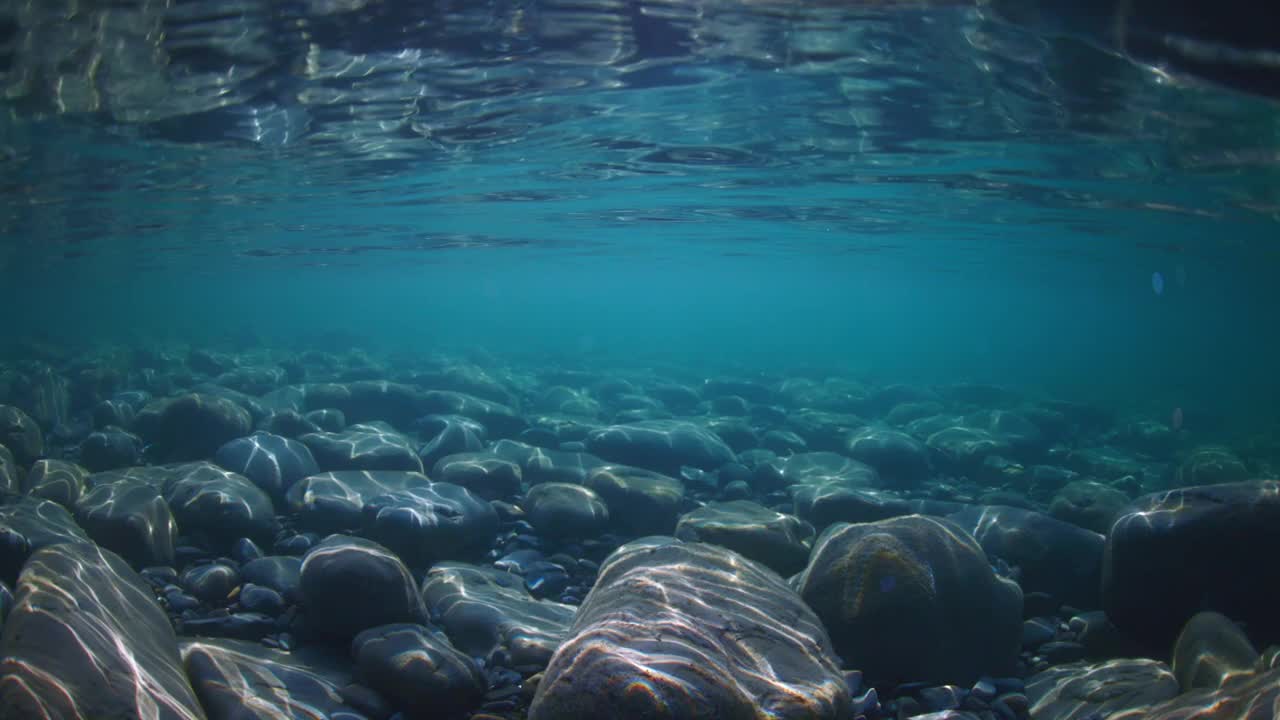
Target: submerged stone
[687,630]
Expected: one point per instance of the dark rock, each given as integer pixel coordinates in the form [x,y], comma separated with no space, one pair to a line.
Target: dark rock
[21,435]
[418,670]
[237,680]
[1101,638]
[1059,652]
[1089,504]
[484,474]
[964,449]
[81,609]
[1115,689]
[366,401]
[661,445]
[57,481]
[825,431]
[368,446]
[10,475]
[287,423]
[29,524]
[822,505]
[191,427]
[129,516]
[1037,632]
[498,419]
[110,449]
[427,524]
[1211,465]
[903,413]
[1173,554]
[913,598]
[450,435]
[271,462]
[539,465]
[1055,557]
[1210,650]
[901,460]
[783,442]
[350,584]
[1046,480]
[814,469]
[280,573]
[489,613]
[771,538]
[724,637]
[566,511]
[240,626]
[640,502]
[737,433]
[260,600]
[335,501]
[327,419]
[211,583]
[748,389]
[221,505]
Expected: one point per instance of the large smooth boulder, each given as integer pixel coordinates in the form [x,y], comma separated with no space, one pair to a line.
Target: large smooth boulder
[483,473]
[563,510]
[449,435]
[640,502]
[192,426]
[21,435]
[56,480]
[911,599]
[29,524]
[429,523]
[1210,650]
[366,446]
[238,680]
[1054,557]
[219,505]
[661,445]
[774,539]
[688,630]
[418,670]
[813,469]
[350,584]
[490,614]
[1175,553]
[901,460]
[128,515]
[335,501]
[1254,696]
[1086,691]
[497,419]
[86,639]
[272,462]
[1089,504]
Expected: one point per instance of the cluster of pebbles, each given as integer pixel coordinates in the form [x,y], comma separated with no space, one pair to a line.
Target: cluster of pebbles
[299,534]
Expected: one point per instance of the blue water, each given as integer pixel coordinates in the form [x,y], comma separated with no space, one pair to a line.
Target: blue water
[915,193]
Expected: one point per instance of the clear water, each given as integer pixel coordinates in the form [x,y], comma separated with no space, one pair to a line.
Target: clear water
[922,193]
[1080,203]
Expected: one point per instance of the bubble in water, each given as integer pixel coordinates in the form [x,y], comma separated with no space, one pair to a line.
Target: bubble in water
[1175,421]
[1157,282]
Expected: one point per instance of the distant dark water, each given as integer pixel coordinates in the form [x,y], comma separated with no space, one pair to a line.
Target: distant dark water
[941,192]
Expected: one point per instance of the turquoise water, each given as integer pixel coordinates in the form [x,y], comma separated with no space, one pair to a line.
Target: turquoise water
[996,281]
[918,194]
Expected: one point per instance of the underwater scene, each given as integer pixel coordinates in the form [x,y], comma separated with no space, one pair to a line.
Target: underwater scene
[639,359]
